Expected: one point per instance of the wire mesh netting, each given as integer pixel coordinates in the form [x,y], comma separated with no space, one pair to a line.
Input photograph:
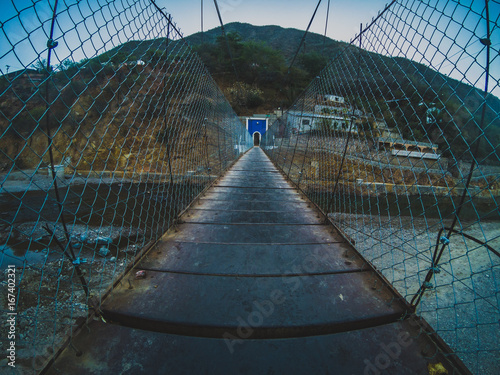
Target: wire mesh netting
[110,126]
[397,140]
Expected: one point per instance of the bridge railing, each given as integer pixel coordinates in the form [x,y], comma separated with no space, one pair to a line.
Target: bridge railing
[397,140]
[110,125]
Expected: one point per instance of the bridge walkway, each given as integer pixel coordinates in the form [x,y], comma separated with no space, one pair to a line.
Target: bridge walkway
[253,281]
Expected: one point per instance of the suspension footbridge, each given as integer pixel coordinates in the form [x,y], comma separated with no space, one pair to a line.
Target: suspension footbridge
[144,229]
[254,280]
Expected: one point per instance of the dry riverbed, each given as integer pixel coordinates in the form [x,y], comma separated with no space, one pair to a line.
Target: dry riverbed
[463,302]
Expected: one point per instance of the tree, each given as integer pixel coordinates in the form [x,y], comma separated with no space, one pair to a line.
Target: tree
[155,57]
[260,63]
[233,42]
[243,96]
[69,67]
[313,63]
[41,66]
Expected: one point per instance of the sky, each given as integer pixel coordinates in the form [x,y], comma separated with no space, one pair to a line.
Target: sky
[344,16]
[97,24]
[344,19]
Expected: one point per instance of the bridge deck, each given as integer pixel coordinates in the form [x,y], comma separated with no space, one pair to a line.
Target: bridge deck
[253,281]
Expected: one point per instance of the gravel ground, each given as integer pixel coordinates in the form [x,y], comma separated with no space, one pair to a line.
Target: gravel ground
[463,305]
[31,180]
[51,300]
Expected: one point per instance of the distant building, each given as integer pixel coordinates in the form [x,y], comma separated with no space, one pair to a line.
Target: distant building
[334,99]
[391,140]
[383,131]
[257,127]
[331,110]
[303,122]
[331,113]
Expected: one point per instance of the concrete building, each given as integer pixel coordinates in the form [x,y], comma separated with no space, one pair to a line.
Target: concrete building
[304,122]
[334,99]
[391,140]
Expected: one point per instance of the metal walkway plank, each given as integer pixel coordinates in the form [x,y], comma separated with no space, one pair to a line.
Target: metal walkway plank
[252,259]
[257,233]
[207,305]
[245,217]
[397,348]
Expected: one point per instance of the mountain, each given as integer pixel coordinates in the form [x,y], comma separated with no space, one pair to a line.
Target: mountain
[258,80]
[382,85]
[286,40]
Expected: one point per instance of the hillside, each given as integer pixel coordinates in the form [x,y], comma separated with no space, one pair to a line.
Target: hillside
[315,54]
[285,40]
[257,81]
[272,46]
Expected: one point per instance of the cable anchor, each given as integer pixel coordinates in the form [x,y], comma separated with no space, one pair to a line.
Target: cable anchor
[444,240]
[51,43]
[79,261]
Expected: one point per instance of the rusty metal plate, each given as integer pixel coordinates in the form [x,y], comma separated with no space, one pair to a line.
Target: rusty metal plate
[255,203]
[274,196]
[237,170]
[256,233]
[206,305]
[393,349]
[255,160]
[252,217]
[252,175]
[244,191]
[249,165]
[251,259]
[265,184]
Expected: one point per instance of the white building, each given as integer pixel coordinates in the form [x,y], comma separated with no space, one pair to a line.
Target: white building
[334,99]
[303,122]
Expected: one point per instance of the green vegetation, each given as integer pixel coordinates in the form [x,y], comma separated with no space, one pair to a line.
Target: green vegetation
[257,65]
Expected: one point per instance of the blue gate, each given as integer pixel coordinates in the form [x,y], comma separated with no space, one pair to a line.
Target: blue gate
[257,127]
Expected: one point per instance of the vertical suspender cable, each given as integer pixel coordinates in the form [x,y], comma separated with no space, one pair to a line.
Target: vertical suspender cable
[326,26]
[225,37]
[303,37]
[51,44]
[202,34]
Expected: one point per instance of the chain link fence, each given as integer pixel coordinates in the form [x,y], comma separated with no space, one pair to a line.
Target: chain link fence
[397,140]
[110,126]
